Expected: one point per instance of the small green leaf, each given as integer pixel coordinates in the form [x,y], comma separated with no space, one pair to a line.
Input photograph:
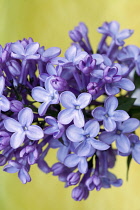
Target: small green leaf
[125,103]
[129,158]
[135,112]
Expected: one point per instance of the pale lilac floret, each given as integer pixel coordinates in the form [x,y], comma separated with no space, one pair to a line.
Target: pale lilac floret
[112,29]
[73,108]
[47,95]
[23,128]
[85,137]
[120,134]
[14,166]
[108,115]
[56,128]
[4,102]
[73,160]
[134,148]
[130,54]
[28,52]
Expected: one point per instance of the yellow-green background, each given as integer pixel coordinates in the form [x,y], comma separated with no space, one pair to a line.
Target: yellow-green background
[48,22]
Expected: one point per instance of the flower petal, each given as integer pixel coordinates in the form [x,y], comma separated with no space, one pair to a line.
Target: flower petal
[111,89]
[83,165]
[71,53]
[79,120]
[43,108]
[17,139]
[125,84]
[108,137]
[92,128]
[75,134]
[109,124]
[98,113]
[62,153]
[84,99]
[34,132]
[71,160]
[4,103]
[111,104]
[120,115]
[50,53]
[17,48]
[123,143]
[66,116]
[2,84]
[32,48]
[130,125]
[12,125]
[39,94]
[68,99]
[25,116]
[83,149]
[98,144]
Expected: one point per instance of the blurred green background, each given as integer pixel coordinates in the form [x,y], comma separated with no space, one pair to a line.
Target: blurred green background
[48,23]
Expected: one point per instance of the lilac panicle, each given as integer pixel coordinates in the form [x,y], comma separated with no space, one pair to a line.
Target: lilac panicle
[69,103]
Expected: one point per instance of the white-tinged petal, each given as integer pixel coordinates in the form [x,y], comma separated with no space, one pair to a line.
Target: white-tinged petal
[98,113]
[43,108]
[111,104]
[71,160]
[4,103]
[84,99]
[68,99]
[48,86]
[2,84]
[83,149]
[39,94]
[125,84]
[18,48]
[123,143]
[12,125]
[25,116]
[66,116]
[80,56]
[71,53]
[50,53]
[136,152]
[79,119]
[34,132]
[17,139]
[98,144]
[31,48]
[120,115]
[109,124]
[75,134]
[92,128]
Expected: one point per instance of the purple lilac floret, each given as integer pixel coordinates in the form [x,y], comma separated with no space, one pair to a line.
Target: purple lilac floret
[79,103]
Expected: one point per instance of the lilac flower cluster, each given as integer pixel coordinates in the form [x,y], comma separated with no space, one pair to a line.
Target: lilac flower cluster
[78,104]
